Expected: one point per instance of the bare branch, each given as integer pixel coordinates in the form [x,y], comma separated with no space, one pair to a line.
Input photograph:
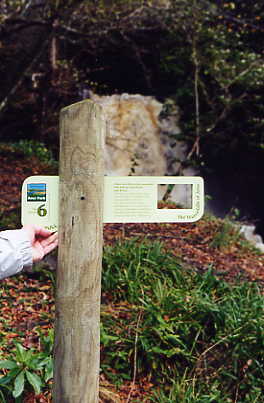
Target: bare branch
[254,64]
[225,111]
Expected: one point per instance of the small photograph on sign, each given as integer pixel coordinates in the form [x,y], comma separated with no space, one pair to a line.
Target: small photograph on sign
[36,192]
[177,196]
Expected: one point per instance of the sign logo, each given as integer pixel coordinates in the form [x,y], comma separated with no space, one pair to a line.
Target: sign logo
[36,192]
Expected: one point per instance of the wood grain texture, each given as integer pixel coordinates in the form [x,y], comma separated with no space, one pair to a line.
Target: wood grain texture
[77,338]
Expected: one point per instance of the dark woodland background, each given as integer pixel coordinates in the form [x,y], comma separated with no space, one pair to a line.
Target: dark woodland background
[205,56]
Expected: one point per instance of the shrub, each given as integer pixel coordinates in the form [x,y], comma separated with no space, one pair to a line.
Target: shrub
[189,332]
[26,368]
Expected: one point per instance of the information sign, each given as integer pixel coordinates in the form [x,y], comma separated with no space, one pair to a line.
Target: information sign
[127,199]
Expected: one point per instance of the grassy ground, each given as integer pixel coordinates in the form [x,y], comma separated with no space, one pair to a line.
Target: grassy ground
[192,336]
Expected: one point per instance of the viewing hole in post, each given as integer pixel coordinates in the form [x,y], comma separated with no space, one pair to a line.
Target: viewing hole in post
[174,196]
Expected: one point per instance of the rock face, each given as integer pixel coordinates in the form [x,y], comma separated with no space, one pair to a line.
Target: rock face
[140,138]
[133,143]
[249,233]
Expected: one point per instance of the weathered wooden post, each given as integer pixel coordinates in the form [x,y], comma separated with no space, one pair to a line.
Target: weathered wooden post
[77,340]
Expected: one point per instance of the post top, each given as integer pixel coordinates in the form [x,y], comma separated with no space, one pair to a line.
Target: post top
[85,101]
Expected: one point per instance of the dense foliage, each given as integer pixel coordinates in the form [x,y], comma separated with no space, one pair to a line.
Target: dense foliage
[207,55]
[192,333]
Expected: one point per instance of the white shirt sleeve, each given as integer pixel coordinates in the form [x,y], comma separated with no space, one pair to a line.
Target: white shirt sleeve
[15,252]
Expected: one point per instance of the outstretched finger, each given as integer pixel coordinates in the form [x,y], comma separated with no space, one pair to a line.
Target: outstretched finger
[50,239]
[50,247]
[41,232]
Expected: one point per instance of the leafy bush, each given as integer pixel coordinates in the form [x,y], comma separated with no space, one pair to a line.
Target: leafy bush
[11,220]
[192,331]
[226,234]
[29,149]
[26,368]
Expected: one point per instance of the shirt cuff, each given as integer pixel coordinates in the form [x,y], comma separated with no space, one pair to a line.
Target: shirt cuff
[20,242]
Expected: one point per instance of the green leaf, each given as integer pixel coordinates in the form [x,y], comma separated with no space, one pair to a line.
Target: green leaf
[35,381]
[21,352]
[2,397]
[34,363]
[49,370]
[5,380]
[19,384]
[8,364]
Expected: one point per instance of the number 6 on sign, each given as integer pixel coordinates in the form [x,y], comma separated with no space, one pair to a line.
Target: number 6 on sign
[42,212]
[126,199]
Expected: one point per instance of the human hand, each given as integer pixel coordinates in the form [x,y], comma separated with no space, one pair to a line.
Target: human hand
[42,241]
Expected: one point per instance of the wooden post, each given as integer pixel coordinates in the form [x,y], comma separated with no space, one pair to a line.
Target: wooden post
[77,338]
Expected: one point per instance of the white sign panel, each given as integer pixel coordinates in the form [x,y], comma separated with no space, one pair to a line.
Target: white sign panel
[40,201]
[127,199]
[135,199]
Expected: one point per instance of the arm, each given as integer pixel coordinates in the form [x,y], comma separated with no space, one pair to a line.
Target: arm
[20,248]
[15,252]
